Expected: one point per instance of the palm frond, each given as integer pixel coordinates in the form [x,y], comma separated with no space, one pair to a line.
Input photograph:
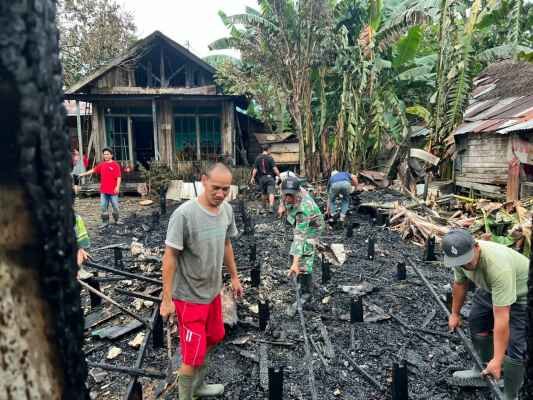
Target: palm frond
[252,20]
[502,52]
[223,44]
[419,111]
[514,34]
[391,33]
[217,59]
[406,48]
[419,74]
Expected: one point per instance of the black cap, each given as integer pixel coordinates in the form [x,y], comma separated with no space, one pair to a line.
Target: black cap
[458,248]
[290,186]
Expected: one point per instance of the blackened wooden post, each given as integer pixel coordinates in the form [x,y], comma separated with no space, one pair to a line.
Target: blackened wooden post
[430,249]
[117,252]
[255,276]
[401,271]
[275,383]
[155,219]
[158,334]
[326,270]
[95,299]
[400,381]
[371,248]
[264,315]
[356,310]
[253,252]
[163,201]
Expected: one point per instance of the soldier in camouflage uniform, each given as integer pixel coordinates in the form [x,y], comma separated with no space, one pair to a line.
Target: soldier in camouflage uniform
[308,222]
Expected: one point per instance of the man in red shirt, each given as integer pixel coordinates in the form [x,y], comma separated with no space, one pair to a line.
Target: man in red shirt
[110,179]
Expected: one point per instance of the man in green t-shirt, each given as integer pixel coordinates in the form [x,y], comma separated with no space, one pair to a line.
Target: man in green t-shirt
[498,318]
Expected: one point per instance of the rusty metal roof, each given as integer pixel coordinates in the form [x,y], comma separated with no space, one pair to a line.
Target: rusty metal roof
[495,106]
[500,116]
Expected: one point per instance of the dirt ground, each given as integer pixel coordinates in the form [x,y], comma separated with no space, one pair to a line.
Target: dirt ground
[239,362]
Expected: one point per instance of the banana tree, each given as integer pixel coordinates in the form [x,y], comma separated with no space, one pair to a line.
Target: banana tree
[284,41]
[375,66]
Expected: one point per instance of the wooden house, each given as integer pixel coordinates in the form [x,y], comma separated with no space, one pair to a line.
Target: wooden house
[494,144]
[158,101]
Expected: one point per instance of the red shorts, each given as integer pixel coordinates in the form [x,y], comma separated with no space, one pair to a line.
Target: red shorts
[200,326]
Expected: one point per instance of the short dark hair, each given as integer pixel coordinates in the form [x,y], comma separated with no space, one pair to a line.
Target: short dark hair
[265,147]
[217,165]
[107,149]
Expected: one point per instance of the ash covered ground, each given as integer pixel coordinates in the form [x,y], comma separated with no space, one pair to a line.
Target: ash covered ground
[374,346]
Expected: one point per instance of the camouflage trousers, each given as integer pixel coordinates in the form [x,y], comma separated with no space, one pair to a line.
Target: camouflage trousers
[307,260]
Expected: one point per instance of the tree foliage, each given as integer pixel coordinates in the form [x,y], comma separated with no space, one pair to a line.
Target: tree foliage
[355,74]
[92,32]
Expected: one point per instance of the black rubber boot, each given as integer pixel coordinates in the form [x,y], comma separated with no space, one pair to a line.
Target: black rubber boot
[105,221]
[116,218]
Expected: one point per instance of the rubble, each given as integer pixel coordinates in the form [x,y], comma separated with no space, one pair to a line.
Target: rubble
[397,313]
[113,352]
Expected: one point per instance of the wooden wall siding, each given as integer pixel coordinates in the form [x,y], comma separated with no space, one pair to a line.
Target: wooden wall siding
[115,77]
[166,132]
[228,127]
[483,160]
[98,130]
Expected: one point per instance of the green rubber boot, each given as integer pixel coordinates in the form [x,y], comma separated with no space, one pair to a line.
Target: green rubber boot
[185,387]
[513,377]
[306,293]
[202,389]
[472,377]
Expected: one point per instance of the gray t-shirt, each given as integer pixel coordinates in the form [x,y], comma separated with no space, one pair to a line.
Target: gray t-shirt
[200,236]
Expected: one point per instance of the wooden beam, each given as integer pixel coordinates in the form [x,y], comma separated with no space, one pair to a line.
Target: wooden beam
[130,140]
[177,71]
[149,75]
[154,122]
[164,82]
[198,150]
[78,124]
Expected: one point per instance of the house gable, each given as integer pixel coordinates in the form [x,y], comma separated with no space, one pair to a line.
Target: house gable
[156,63]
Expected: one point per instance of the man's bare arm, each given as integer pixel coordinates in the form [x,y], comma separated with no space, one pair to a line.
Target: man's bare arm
[229,262]
[459,294]
[170,258]
[501,331]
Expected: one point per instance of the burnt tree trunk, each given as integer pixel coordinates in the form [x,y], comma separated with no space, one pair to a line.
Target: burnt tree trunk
[41,323]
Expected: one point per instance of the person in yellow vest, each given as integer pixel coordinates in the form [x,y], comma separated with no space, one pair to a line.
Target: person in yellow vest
[82,239]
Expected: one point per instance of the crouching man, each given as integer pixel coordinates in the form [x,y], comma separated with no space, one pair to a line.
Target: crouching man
[308,221]
[498,317]
[197,245]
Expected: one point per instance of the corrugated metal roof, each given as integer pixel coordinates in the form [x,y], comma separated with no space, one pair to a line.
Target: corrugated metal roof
[501,117]
[478,106]
[506,108]
[524,126]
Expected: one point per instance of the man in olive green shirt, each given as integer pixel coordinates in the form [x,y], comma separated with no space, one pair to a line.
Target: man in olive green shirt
[498,317]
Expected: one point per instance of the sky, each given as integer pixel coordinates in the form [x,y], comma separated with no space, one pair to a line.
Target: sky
[191,23]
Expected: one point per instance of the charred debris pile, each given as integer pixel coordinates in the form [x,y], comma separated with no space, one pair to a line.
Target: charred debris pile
[373,330]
